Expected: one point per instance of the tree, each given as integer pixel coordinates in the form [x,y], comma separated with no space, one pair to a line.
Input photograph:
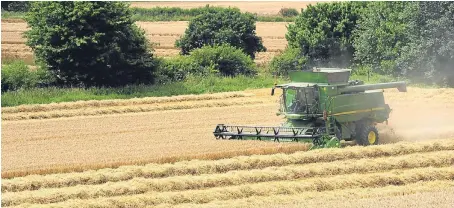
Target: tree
[429,57]
[89,43]
[323,33]
[413,39]
[216,26]
[383,30]
[15,6]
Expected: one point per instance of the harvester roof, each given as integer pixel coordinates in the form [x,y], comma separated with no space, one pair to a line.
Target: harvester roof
[327,76]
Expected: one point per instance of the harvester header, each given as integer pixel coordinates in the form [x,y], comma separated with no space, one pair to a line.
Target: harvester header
[323,107]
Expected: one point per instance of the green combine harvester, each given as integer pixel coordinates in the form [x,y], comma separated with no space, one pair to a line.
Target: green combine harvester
[324,108]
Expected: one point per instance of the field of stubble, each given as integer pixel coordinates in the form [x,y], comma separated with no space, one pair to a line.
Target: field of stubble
[163,34]
[135,153]
[139,152]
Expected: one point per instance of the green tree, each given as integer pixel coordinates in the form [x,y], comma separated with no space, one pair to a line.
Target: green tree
[414,39]
[323,33]
[222,26]
[89,43]
[429,57]
[383,30]
[15,6]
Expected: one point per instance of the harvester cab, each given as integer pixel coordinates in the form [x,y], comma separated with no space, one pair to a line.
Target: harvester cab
[322,107]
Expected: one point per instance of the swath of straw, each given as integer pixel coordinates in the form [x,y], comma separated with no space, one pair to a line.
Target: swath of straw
[197,167]
[179,183]
[401,177]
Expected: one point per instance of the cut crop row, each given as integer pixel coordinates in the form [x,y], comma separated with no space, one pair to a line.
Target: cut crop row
[180,183]
[301,199]
[197,167]
[120,102]
[125,109]
[374,180]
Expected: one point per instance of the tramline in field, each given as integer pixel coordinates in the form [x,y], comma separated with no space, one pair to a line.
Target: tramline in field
[323,107]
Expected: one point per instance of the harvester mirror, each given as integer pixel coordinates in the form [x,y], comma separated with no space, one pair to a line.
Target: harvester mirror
[402,88]
[272,91]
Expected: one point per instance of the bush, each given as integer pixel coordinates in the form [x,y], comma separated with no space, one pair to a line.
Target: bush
[222,26]
[288,12]
[224,60]
[290,60]
[174,69]
[89,43]
[17,75]
[172,13]
[324,33]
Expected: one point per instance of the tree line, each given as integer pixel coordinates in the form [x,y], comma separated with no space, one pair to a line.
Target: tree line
[413,40]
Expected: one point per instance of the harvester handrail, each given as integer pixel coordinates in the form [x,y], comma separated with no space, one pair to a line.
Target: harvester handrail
[401,86]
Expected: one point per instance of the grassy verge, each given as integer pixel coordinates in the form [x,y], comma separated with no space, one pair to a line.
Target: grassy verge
[193,85]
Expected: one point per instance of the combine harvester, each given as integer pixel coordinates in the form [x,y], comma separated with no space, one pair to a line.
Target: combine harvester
[323,107]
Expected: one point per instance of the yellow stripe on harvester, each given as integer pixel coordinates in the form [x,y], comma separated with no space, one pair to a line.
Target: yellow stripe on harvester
[358,111]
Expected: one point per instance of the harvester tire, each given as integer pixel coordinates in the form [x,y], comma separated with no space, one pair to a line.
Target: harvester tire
[368,135]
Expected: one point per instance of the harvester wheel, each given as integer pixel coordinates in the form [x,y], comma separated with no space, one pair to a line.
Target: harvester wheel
[368,135]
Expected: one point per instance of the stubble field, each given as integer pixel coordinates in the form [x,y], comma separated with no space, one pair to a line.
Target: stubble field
[139,152]
[162,34]
[116,153]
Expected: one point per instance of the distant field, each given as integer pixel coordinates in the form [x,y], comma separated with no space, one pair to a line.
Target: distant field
[261,8]
[164,34]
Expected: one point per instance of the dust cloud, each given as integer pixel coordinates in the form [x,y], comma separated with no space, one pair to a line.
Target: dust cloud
[419,114]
